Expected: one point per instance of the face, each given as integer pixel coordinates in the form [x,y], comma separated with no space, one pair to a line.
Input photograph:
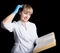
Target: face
[25,15]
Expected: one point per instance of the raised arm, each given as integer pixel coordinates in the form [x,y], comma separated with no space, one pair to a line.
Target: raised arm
[10,17]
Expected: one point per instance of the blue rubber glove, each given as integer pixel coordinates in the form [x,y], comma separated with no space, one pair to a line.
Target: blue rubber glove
[17,8]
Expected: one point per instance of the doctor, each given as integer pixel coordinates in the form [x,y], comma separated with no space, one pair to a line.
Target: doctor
[25,33]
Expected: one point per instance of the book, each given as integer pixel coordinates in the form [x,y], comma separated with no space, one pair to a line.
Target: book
[45,42]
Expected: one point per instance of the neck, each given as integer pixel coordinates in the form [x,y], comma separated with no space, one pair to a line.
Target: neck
[23,23]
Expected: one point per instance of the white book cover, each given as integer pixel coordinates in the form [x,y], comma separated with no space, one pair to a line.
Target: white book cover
[45,42]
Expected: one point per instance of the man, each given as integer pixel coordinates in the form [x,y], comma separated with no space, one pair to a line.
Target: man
[24,31]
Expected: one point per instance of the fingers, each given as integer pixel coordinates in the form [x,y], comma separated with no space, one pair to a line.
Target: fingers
[19,6]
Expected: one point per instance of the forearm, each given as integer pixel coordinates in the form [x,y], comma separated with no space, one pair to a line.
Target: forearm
[8,19]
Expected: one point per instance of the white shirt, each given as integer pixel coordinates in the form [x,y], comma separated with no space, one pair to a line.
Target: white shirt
[24,37]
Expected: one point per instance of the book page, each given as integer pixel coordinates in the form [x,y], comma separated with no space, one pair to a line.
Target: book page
[45,42]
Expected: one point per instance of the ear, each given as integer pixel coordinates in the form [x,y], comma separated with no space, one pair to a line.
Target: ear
[20,13]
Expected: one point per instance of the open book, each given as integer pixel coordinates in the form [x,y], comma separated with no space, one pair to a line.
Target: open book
[45,42]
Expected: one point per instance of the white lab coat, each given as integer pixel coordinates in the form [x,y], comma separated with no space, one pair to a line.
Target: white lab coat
[24,38]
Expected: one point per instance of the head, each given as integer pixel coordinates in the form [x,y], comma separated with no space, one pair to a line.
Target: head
[25,12]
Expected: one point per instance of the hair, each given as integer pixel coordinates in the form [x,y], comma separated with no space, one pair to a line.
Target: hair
[27,7]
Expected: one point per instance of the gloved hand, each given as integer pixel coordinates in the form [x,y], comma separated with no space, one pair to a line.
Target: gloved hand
[17,8]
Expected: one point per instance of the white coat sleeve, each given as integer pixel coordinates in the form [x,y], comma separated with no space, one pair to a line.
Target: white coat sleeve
[35,33]
[8,26]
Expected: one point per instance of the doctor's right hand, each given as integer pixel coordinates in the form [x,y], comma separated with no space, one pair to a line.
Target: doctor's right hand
[17,8]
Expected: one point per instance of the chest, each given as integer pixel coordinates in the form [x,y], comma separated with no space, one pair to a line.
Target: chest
[29,31]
